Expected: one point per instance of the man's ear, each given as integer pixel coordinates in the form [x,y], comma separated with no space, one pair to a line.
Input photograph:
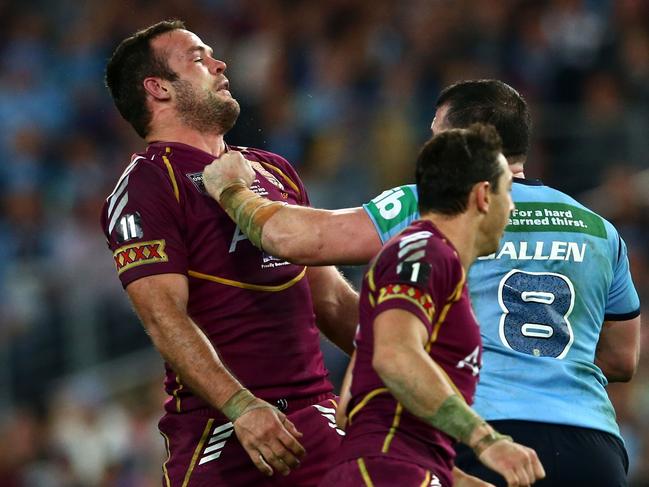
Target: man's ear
[157,88]
[481,193]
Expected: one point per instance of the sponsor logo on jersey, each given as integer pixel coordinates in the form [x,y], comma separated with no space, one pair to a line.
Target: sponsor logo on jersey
[197,180]
[393,207]
[139,253]
[268,261]
[555,217]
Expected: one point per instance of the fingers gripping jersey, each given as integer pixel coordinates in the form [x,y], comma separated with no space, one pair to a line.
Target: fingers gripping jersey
[420,272]
[254,308]
[559,273]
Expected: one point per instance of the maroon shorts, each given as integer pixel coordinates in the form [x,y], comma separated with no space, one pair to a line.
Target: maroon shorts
[380,472]
[204,452]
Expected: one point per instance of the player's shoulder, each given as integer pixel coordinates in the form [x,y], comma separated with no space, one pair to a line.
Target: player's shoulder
[421,246]
[540,194]
[262,155]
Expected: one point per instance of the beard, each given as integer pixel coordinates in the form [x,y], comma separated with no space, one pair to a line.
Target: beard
[205,111]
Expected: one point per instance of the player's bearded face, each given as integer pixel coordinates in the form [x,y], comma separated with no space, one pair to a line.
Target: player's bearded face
[203,109]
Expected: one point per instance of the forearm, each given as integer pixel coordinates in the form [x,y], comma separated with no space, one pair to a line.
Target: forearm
[345,393]
[300,234]
[188,351]
[335,304]
[422,387]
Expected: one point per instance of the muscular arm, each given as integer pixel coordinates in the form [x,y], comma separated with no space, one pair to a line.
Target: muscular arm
[345,394]
[400,359]
[618,349]
[335,304]
[161,303]
[301,235]
[311,236]
[268,437]
[421,386]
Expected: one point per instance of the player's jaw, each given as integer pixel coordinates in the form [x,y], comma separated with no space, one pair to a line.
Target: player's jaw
[206,110]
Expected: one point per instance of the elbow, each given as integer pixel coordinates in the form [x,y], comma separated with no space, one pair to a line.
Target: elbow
[621,370]
[627,369]
[386,364]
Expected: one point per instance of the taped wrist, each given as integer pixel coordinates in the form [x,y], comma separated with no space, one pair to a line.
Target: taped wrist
[242,402]
[487,440]
[456,419]
[248,210]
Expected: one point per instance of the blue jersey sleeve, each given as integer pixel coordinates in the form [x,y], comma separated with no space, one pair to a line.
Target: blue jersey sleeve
[623,302]
[393,210]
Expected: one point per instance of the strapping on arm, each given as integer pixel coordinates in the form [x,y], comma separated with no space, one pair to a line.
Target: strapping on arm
[455,418]
[248,210]
[242,402]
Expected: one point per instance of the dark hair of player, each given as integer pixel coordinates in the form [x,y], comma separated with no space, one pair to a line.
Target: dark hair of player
[491,102]
[132,61]
[452,162]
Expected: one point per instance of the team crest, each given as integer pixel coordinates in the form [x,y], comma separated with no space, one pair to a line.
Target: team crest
[264,172]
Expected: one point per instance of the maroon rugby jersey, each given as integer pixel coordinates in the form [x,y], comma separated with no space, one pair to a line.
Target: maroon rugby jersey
[255,309]
[418,271]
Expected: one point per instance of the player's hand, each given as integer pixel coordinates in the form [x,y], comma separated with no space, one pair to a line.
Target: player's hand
[230,168]
[270,440]
[517,463]
[463,479]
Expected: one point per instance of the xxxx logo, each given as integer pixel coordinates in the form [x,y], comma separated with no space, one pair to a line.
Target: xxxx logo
[139,253]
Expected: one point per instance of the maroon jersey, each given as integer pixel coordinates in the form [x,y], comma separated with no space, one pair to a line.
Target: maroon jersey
[418,271]
[255,309]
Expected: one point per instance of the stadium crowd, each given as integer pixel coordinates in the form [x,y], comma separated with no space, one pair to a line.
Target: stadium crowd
[344,90]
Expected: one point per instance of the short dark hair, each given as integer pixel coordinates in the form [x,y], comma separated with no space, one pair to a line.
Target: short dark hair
[492,102]
[132,61]
[452,162]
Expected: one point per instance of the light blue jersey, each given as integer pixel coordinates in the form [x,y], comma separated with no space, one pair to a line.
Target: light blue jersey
[560,271]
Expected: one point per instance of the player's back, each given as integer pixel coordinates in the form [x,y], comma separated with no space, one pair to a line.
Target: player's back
[541,299]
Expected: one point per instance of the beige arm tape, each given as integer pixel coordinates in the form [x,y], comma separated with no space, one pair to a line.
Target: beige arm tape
[248,210]
[242,402]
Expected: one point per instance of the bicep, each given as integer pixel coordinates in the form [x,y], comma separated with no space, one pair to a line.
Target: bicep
[399,330]
[620,338]
[158,295]
[352,237]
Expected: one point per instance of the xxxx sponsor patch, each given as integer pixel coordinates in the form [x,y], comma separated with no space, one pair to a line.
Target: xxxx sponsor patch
[139,253]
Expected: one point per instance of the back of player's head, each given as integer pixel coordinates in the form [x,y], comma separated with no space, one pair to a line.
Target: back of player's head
[491,102]
[452,162]
[132,61]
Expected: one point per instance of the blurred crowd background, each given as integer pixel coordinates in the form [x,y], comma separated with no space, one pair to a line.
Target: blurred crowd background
[345,90]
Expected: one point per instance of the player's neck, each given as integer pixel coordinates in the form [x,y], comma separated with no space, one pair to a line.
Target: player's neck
[212,143]
[461,231]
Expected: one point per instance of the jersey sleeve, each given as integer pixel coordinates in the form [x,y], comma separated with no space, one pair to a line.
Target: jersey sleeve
[393,210]
[623,302]
[413,281]
[142,222]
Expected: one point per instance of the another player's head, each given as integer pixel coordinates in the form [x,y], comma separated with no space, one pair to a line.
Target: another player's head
[487,101]
[165,72]
[464,171]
